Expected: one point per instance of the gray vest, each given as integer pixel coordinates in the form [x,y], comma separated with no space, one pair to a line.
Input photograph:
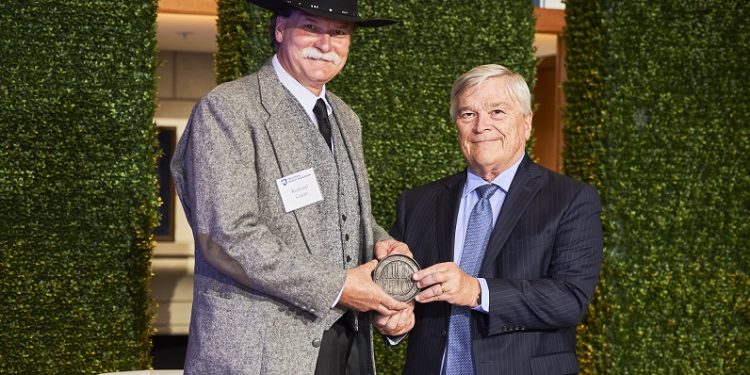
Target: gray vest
[348,199]
[340,210]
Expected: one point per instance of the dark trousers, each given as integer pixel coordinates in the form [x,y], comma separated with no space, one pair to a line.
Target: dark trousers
[344,350]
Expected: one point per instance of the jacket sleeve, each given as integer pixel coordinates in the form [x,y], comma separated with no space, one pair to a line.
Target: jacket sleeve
[559,298]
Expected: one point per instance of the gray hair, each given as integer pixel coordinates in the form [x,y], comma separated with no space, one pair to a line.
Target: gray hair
[516,85]
[285,12]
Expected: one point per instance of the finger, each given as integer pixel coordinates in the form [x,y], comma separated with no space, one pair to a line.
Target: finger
[400,248]
[433,278]
[393,320]
[380,320]
[387,305]
[370,266]
[435,268]
[401,319]
[426,298]
[382,310]
[405,317]
[391,303]
[430,294]
[444,288]
[394,306]
[381,249]
[419,275]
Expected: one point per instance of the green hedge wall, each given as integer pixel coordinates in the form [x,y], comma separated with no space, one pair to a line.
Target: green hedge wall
[657,117]
[77,188]
[585,153]
[398,80]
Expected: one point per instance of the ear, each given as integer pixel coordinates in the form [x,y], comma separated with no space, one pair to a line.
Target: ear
[279,28]
[527,121]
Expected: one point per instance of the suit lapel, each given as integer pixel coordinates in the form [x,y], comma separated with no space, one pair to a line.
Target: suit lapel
[283,125]
[446,214]
[289,141]
[524,187]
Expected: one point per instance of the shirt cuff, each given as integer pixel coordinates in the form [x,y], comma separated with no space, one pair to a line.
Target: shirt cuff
[395,340]
[336,302]
[484,306]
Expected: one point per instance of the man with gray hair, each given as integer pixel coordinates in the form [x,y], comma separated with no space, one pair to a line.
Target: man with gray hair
[511,251]
[271,174]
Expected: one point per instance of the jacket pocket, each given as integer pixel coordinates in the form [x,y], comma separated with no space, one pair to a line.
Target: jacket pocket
[558,363]
[223,339]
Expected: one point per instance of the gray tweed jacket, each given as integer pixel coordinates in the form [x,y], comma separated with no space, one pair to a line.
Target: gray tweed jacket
[263,285]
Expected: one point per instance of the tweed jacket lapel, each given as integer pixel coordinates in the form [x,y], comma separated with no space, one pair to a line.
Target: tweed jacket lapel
[285,115]
[525,186]
[290,144]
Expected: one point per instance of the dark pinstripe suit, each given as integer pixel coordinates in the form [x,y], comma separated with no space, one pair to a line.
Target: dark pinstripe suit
[541,266]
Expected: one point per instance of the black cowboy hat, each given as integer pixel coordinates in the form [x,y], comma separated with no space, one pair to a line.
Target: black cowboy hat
[342,10]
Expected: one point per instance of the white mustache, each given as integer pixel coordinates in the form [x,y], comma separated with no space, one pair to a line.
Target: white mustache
[314,53]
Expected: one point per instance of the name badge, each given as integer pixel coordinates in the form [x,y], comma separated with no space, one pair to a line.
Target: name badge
[299,190]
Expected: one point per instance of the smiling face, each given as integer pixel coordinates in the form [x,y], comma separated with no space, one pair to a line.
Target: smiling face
[312,49]
[492,127]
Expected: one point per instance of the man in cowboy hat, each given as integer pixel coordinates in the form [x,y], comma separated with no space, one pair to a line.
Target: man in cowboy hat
[271,174]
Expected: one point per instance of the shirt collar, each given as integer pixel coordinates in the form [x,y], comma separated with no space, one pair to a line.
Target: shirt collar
[303,95]
[503,180]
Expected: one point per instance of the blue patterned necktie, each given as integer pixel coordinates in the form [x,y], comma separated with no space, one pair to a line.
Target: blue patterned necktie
[458,357]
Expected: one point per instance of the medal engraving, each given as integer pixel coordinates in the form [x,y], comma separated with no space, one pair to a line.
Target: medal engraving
[393,275]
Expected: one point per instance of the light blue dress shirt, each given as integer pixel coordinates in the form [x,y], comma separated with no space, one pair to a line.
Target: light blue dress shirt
[468,200]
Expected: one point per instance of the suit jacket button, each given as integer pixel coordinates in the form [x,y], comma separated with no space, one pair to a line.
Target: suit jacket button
[444,333]
[316,343]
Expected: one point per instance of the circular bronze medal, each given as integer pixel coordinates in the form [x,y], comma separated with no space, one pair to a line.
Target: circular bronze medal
[393,275]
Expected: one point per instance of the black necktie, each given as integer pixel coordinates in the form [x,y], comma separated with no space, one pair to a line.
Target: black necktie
[323,124]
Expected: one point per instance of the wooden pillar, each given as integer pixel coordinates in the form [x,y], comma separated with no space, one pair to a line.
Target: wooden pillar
[548,94]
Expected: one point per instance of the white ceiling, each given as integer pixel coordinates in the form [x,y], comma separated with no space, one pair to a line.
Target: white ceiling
[186,32]
[197,33]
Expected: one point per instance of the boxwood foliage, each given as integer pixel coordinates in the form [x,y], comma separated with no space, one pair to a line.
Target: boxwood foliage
[77,188]
[398,80]
[585,153]
[658,119]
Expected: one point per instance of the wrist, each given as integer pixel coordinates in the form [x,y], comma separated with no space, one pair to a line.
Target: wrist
[478,299]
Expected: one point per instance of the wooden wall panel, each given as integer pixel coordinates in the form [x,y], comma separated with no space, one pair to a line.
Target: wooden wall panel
[205,7]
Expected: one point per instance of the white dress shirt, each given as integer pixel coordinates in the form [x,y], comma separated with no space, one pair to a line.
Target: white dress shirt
[306,98]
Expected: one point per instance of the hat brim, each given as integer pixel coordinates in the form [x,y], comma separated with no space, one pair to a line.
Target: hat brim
[276,5]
